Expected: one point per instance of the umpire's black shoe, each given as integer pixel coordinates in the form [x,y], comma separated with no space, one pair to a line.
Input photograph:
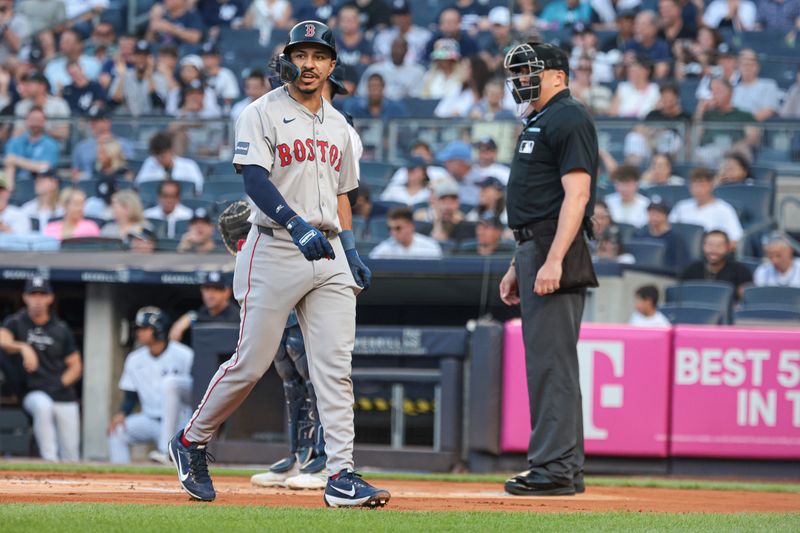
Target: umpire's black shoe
[577,482]
[192,465]
[523,484]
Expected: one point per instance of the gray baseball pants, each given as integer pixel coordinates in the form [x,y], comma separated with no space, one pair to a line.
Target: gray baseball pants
[271,277]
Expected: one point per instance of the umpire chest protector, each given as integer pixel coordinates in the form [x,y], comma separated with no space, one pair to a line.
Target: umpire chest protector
[554,141]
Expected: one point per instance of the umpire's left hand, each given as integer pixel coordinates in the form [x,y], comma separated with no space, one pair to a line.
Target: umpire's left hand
[548,279]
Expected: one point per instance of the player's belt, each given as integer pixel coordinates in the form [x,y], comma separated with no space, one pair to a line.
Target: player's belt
[330,234]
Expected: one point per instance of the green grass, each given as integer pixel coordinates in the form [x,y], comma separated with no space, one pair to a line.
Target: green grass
[102,518]
[596,481]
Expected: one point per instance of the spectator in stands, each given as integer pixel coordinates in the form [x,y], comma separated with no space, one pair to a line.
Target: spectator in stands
[402,77]
[734,169]
[44,207]
[638,95]
[99,206]
[457,159]
[13,220]
[444,76]
[561,13]
[778,15]
[127,214]
[70,46]
[669,104]
[696,58]
[487,165]
[718,264]
[74,224]
[727,68]
[82,94]
[255,86]
[627,205]
[44,15]
[645,303]
[169,208]
[52,363]
[218,14]
[703,209]
[491,106]
[352,46]
[140,90]
[740,15]
[199,236]
[142,242]
[585,43]
[218,307]
[320,10]
[223,82]
[415,37]
[791,102]
[759,96]
[80,13]
[404,242]
[450,28]
[491,199]
[164,164]
[647,44]
[167,65]
[673,27]
[36,94]
[191,71]
[17,30]
[31,152]
[660,172]
[782,269]
[363,206]
[103,41]
[416,190]
[198,132]
[158,376]
[266,15]
[625,23]
[488,234]
[446,215]
[493,50]
[435,173]
[658,227]
[174,22]
[473,15]
[475,75]
[610,248]
[595,97]
[375,104]
[120,51]
[111,165]
[721,109]
[84,155]
[601,218]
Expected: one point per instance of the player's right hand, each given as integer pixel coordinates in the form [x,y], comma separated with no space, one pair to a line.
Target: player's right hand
[309,240]
[509,290]
[30,361]
[116,420]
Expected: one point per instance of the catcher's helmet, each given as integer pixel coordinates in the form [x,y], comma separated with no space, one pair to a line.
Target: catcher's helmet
[153,317]
[529,60]
[308,31]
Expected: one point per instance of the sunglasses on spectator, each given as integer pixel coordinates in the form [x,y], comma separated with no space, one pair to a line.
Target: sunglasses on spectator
[395,228]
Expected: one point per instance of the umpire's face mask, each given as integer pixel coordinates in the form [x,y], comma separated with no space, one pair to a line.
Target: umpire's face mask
[523,73]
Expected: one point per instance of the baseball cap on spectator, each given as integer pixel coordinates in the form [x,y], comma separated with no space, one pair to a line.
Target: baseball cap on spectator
[491,181]
[455,150]
[106,188]
[628,13]
[35,76]
[446,50]
[657,203]
[37,284]
[142,234]
[416,162]
[490,218]
[580,28]
[200,214]
[217,280]
[209,49]
[194,85]
[97,113]
[401,7]
[500,16]
[193,60]
[446,188]
[142,47]
[486,142]
[31,54]
[726,50]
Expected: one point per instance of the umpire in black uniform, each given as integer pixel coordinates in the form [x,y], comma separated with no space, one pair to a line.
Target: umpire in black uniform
[551,193]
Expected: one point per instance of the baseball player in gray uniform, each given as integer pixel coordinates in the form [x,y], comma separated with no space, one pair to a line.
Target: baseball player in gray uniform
[294,153]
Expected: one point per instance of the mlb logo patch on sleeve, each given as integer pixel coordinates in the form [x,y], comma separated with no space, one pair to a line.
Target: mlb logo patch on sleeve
[242,148]
[526,147]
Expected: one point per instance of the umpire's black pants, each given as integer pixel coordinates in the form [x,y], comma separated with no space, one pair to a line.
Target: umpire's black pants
[550,328]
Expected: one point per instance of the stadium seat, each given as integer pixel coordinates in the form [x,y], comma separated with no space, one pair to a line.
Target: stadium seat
[714,294]
[470,246]
[788,296]
[670,194]
[381,207]
[158,226]
[626,231]
[219,169]
[753,203]
[92,244]
[180,227]
[692,235]
[359,226]
[197,203]
[420,107]
[149,189]
[89,187]
[422,227]
[377,228]
[167,245]
[692,315]
[688,95]
[750,262]
[648,252]
[214,189]
[23,191]
[376,173]
[767,313]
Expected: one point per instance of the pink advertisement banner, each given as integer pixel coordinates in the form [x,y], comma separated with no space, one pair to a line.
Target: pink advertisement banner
[736,393]
[625,387]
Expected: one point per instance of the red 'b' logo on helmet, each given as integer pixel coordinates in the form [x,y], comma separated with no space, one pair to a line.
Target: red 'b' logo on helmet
[310,28]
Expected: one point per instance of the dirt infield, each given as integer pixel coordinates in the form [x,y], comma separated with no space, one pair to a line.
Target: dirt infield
[43,487]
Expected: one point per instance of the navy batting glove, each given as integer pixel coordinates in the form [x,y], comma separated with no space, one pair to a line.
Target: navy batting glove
[309,240]
[361,273]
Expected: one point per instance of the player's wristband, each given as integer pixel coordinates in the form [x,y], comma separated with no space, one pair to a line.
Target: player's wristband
[348,239]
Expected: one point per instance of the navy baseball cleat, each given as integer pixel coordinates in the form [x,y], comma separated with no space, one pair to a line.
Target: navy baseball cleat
[192,465]
[347,489]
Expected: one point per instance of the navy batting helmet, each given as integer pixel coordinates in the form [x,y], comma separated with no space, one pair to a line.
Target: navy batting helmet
[308,31]
[153,317]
